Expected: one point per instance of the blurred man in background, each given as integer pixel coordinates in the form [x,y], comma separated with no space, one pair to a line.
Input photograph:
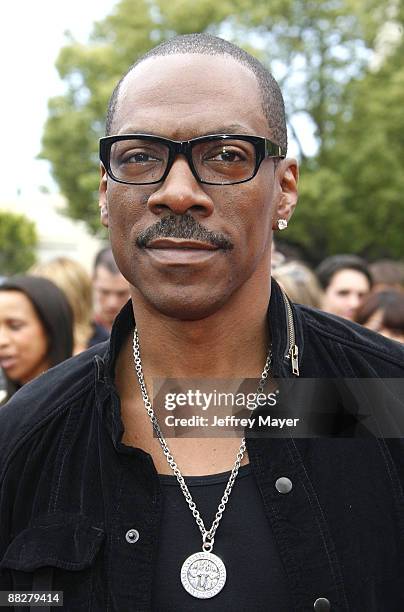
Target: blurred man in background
[111,290]
[346,281]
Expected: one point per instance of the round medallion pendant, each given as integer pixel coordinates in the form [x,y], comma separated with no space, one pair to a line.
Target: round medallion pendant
[203,575]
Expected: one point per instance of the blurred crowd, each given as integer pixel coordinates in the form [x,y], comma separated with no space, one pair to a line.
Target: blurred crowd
[349,287]
[58,310]
[53,312]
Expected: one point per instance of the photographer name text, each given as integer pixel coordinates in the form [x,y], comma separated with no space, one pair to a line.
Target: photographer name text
[230,421]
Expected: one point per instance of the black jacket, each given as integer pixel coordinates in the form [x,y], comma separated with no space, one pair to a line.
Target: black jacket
[70,490]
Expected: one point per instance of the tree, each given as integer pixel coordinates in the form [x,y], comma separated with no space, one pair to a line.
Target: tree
[315,49]
[18,239]
[352,195]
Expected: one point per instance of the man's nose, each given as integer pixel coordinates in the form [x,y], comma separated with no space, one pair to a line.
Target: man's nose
[354,301]
[181,193]
[113,301]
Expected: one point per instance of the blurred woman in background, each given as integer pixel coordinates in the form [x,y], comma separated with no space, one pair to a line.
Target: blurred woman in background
[72,278]
[299,283]
[383,312]
[36,329]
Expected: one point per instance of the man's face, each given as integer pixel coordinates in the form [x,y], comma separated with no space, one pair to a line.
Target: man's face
[182,97]
[111,292]
[345,293]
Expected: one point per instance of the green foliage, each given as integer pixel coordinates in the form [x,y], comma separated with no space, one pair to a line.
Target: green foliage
[319,52]
[352,199]
[18,239]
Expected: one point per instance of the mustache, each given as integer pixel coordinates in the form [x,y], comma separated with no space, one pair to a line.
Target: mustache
[185,227]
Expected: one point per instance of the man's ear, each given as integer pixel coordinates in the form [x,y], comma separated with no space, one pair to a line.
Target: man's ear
[287,174]
[102,201]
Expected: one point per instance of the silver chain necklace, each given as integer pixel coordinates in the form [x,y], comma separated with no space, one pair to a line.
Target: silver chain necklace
[203,574]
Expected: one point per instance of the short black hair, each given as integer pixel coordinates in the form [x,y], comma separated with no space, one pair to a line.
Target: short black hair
[105,258]
[331,265]
[205,44]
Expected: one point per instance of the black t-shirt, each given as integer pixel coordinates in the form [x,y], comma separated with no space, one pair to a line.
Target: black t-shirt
[256,580]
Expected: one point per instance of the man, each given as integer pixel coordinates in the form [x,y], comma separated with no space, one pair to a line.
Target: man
[89,503]
[346,281]
[111,290]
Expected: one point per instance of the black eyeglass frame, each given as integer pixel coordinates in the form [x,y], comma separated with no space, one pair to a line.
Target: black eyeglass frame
[263,148]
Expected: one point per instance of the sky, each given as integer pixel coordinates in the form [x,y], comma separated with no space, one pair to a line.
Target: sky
[31,35]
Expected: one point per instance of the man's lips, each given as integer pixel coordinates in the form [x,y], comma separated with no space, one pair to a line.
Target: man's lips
[176,243]
[180,252]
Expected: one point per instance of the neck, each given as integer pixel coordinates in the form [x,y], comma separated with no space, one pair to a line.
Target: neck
[230,343]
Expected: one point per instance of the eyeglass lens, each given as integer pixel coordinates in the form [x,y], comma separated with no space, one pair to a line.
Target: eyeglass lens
[216,161]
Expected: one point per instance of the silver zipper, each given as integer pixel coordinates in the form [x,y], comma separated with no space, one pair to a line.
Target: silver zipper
[293,352]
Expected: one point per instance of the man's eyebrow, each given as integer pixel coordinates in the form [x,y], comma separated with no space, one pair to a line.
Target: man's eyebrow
[130,131]
[234,128]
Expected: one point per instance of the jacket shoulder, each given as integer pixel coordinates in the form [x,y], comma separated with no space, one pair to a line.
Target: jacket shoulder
[352,336]
[43,399]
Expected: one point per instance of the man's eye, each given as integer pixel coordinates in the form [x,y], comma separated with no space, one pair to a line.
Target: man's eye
[226,155]
[140,158]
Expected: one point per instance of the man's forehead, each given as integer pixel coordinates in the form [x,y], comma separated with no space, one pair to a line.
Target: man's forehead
[199,89]
[182,66]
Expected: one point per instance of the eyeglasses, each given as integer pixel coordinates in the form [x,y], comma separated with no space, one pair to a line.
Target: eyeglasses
[219,159]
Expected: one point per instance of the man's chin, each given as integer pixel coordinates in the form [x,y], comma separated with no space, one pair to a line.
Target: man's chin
[187,308]
[189,313]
